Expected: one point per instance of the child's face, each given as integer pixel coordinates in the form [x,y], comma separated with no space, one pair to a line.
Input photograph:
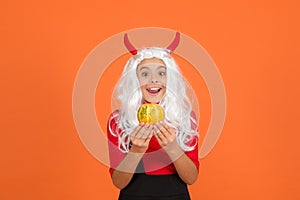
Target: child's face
[152,77]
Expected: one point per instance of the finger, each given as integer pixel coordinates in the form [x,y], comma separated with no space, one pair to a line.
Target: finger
[135,133]
[160,136]
[137,129]
[167,132]
[170,131]
[144,133]
[157,128]
[143,127]
[147,132]
[166,127]
[148,138]
[161,141]
[161,129]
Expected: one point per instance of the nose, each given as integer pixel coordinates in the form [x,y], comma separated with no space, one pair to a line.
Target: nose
[154,79]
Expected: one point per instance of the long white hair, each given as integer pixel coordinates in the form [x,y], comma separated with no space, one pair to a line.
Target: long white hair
[177,105]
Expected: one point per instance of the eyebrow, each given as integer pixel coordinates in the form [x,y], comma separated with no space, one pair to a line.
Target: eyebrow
[146,67]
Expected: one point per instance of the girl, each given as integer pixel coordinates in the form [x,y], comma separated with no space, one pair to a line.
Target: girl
[153,161]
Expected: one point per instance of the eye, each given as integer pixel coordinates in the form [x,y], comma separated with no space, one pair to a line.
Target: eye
[162,73]
[144,74]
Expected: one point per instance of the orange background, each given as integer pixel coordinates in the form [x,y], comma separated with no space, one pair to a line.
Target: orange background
[254,44]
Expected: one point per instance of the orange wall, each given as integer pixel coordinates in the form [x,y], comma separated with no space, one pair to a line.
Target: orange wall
[254,44]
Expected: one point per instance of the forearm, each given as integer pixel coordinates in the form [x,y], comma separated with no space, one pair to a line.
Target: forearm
[185,167]
[125,170]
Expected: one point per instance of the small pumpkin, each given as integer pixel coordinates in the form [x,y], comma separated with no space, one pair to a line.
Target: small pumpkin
[150,113]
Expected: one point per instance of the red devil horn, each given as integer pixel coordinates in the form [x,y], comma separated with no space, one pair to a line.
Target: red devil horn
[129,46]
[175,42]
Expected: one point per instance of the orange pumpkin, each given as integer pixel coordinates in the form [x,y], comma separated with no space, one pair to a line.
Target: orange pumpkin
[150,113]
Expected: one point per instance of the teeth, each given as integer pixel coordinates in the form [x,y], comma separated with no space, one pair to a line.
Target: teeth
[153,89]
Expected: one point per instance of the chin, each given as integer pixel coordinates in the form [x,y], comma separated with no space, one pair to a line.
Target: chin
[153,100]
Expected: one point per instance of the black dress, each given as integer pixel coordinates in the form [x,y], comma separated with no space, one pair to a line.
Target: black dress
[155,187]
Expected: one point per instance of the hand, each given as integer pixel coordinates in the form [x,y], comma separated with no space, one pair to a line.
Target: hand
[140,138]
[166,137]
[164,134]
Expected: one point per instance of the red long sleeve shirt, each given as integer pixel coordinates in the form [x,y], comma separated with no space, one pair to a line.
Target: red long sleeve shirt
[155,160]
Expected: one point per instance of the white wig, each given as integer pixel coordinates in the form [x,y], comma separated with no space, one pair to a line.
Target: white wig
[177,105]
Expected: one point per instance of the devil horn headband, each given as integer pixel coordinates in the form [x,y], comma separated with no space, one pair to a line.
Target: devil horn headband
[134,51]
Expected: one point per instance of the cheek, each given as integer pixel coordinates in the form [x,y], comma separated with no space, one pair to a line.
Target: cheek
[143,88]
[142,81]
[163,91]
[163,80]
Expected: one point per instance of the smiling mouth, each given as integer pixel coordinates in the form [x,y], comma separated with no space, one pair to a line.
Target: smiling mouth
[153,91]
